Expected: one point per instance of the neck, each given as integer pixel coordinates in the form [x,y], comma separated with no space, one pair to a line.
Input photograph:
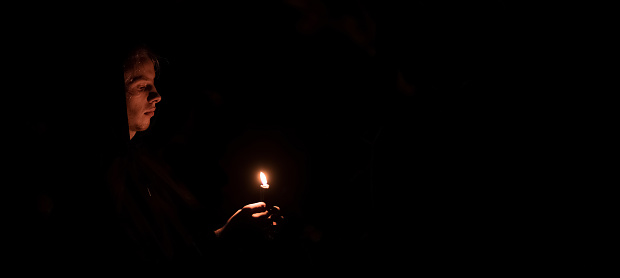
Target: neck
[131,134]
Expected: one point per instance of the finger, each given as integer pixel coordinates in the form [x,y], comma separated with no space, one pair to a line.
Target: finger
[255,207]
[274,210]
[264,214]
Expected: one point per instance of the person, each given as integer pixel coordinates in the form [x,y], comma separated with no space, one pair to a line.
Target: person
[153,223]
[100,195]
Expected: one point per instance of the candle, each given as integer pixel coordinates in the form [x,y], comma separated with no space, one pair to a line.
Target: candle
[263,186]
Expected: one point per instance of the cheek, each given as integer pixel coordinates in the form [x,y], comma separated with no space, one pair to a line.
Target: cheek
[133,103]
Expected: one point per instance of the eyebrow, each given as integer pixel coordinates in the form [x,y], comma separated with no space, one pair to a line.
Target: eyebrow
[136,79]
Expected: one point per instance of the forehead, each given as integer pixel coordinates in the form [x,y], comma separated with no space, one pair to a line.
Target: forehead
[140,67]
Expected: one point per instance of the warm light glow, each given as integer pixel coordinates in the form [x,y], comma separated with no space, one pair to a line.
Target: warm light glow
[263,179]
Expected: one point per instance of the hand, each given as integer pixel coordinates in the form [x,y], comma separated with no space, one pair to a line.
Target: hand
[251,221]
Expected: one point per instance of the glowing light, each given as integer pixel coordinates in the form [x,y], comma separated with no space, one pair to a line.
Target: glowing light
[263,179]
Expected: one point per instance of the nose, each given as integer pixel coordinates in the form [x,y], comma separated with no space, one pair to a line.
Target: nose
[154,97]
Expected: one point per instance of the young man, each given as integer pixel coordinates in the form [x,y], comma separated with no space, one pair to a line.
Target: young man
[153,209]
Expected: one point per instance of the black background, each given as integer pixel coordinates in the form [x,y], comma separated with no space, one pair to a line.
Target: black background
[382,128]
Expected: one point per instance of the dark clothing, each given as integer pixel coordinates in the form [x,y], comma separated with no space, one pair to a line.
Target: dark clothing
[134,211]
[158,218]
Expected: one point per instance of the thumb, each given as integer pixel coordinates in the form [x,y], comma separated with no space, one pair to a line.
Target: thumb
[255,208]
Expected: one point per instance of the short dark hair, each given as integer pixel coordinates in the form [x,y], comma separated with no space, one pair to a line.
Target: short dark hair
[138,53]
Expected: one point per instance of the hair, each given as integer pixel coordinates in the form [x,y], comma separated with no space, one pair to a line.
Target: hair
[141,52]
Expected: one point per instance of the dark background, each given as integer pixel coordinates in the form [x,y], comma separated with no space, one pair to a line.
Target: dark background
[382,128]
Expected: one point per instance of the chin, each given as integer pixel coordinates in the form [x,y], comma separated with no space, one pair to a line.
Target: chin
[144,127]
[140,127]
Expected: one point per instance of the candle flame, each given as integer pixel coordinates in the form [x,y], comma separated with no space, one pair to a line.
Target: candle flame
[263,179]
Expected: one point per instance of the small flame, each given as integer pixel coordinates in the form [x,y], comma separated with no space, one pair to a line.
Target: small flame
[263,179]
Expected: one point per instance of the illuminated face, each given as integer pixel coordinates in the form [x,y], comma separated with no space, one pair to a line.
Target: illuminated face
[140,94]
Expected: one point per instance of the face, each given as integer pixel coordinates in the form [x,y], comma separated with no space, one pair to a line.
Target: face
[140,94]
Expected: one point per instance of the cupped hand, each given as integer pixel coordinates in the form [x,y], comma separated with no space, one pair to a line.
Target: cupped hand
[250,221]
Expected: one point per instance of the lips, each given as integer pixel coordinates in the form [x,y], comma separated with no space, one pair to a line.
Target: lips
[150,112]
